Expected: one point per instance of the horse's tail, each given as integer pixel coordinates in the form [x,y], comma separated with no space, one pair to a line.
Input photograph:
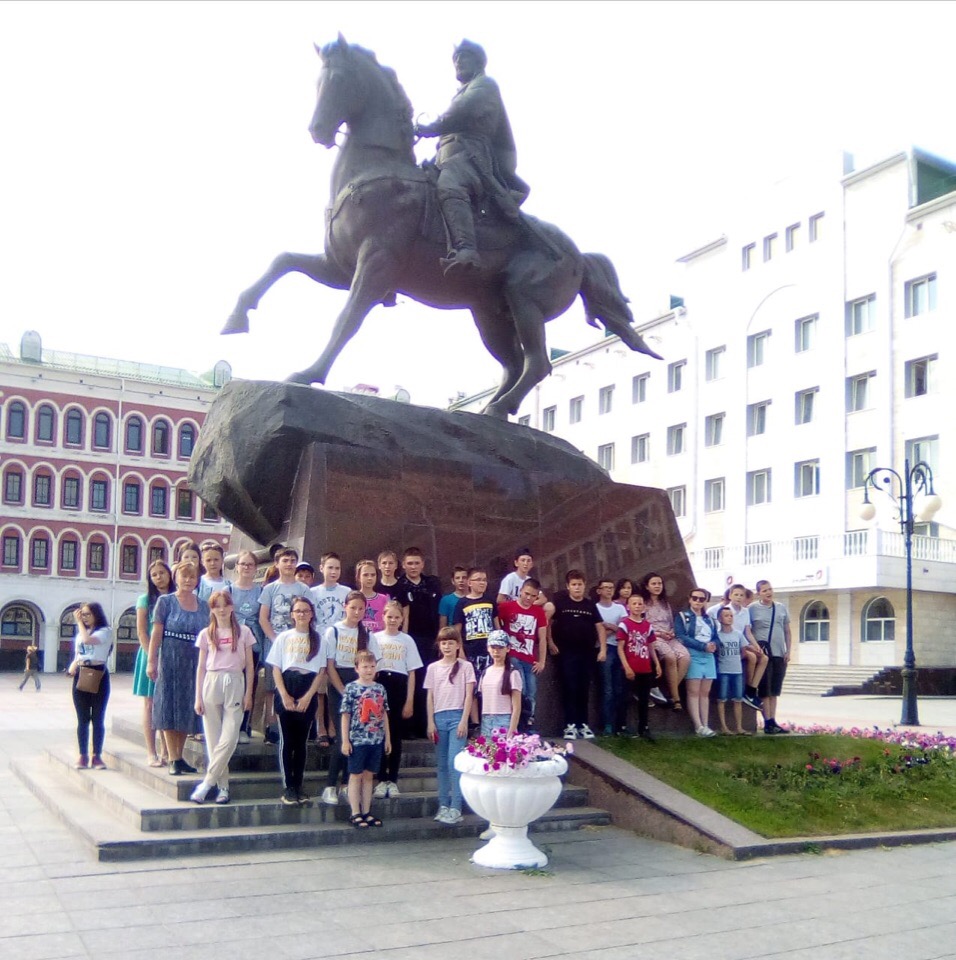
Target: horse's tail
[605,301]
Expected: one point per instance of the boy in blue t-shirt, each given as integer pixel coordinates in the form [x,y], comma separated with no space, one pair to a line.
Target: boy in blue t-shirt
[730,675]
[365,736]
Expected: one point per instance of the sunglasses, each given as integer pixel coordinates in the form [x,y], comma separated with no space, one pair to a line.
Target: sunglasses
[699,599]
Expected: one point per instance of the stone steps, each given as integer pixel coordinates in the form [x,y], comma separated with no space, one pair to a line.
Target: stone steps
[823,680]
[131,811]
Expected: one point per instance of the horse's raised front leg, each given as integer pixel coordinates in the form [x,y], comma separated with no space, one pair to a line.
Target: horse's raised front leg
[375,276]
[314,265]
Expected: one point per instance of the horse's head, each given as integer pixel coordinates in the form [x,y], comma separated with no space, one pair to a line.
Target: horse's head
[340,92]
[355,90]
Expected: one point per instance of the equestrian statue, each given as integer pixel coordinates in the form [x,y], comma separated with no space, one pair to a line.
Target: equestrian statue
[449,233]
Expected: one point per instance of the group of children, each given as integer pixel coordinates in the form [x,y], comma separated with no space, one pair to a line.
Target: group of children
[343,666]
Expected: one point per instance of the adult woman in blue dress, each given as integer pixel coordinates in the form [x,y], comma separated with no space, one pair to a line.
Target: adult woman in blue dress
[159,580]
[177,620]
[92,643]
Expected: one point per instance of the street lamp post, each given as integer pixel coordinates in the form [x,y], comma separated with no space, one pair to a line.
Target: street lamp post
[914,480]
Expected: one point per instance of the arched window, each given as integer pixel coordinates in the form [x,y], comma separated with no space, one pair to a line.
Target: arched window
[46,424]
[184,503]
[16,421]
[96,557]
[129,559]
[134,435]
[39,552]
[68,622]
[879,621]
[100,494]
[157,551]
[159,500]
[102,431]
[10,550]
[126,626]
[221,373]
[187,439]
[815,623]
[18,623]
[13,485]
[69,555]
[42,488]
[74,428]
[161,438]
[71,492]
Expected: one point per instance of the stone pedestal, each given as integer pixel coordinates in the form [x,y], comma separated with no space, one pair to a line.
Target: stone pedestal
[323,471]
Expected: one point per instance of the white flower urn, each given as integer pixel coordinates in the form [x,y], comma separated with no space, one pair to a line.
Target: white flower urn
[510,799]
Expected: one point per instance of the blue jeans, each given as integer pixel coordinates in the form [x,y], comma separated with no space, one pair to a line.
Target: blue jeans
[613,707]
[449,745]
[492,722]
[529,683]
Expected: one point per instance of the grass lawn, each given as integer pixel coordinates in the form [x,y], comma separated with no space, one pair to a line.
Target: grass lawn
[805,785]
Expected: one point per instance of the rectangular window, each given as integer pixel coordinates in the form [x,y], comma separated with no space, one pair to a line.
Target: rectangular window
[921,376]
[757,348]
[747,256]
[156,553]
[806,478]
[678,499]
[815,225]
[130,559]
[39,553]
[96,558]
[714,363]
[98,495]
[858,392]
[68,555]
[547,419]
[757,418]
[606,456]
[11,550]
[639,388]
[524,421]
[793,232]
[758,487]
[184,504]
[675,376]
[13,487]
[714,495]
[714,430]
[861,315]
[209,514]
[131,493]
[42,491]
[859,463]
[640,448]
[925,449]
[606,399]
[675,439]
[803,405]
[805,333]
[157,501]
[921,295]
[71,492]
[769,245]
[575,409]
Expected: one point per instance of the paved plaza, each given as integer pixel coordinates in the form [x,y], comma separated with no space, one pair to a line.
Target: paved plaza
[606,895]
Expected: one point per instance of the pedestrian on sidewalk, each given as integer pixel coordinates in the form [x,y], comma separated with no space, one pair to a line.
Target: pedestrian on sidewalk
[31,668]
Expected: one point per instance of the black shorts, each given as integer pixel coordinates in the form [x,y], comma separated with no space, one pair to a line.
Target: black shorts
[771,684]
[366,757]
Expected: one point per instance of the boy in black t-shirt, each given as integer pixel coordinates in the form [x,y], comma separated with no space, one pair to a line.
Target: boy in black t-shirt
[575,632]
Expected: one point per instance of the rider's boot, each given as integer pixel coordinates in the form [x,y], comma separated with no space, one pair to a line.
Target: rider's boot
[461,230]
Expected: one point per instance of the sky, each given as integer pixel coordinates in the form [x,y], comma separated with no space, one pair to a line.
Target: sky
[156,155]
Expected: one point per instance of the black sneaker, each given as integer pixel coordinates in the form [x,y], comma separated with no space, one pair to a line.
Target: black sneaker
[778,729]
[301,799]
[770,726]
[646,735]
[290,798]
[753,702]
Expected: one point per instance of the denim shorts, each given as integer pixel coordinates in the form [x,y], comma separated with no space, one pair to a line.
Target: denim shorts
[366,757]
[730,686]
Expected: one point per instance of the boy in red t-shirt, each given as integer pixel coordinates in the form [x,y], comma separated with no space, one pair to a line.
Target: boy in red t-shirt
[525,622]
[635,647]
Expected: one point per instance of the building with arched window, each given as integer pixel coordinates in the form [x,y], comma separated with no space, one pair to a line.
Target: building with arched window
[810,343]
[93,460]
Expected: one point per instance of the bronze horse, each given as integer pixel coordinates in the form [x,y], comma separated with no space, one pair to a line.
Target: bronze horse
[377,243]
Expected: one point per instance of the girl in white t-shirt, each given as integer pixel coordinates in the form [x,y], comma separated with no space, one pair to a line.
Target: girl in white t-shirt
[500,688]
[450,683]
[398,664]
[223,691]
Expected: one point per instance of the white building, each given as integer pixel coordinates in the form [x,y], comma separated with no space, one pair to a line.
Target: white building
[815,342]
[93,461]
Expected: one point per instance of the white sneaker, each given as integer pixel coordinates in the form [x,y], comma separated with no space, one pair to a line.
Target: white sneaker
[442,813]
[705,732]
[486,834]
[452,817]
[585,732]
[244,737]
[381,790]
[343,795]
[330,796]
[393,790]
[658,696]
[570,732]
[201,792]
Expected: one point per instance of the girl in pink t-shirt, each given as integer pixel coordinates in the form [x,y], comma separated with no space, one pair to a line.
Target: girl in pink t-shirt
[450,683]
[500,688]
[223,691]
